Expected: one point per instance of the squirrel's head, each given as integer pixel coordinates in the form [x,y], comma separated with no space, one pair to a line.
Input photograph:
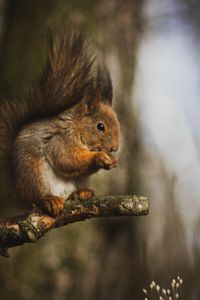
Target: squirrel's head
[97,122]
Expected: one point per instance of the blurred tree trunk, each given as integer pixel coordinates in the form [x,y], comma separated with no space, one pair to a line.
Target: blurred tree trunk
[2,18]
[121,268]
[21,54]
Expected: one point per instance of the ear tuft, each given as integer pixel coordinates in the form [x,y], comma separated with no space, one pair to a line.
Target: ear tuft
[88,102]
[103,86]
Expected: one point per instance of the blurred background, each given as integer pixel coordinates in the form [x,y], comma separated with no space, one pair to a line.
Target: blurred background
[152,51]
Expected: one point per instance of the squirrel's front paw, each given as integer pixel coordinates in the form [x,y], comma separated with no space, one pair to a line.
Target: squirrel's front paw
[103,160]
[53,205]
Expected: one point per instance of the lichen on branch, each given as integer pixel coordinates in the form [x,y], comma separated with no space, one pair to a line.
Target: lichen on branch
[32,225]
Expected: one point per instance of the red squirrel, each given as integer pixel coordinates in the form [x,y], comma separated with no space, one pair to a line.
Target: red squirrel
[65,130]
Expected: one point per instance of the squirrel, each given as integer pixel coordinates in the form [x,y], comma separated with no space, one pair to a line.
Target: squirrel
[62,132]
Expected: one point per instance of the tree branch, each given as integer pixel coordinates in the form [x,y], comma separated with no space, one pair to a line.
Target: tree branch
[31,226]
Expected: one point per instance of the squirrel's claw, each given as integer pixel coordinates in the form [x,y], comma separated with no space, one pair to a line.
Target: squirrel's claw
[81,194]
[105,161]
[53,205]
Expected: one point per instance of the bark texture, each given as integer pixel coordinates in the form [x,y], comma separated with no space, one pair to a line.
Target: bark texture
[31,226]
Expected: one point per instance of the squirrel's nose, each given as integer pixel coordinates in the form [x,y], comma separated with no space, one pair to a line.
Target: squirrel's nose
[114,149]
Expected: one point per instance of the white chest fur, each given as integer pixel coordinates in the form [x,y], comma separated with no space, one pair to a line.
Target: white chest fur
[55,185]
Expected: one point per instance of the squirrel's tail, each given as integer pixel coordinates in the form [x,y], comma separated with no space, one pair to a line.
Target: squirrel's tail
[66,75]
[65,79]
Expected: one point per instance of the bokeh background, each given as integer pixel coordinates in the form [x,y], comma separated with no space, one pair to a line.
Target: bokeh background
[152,51]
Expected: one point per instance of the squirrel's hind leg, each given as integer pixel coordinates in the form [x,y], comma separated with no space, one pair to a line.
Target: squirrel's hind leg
[34,187]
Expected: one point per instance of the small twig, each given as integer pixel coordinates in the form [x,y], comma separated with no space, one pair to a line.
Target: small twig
[31,226]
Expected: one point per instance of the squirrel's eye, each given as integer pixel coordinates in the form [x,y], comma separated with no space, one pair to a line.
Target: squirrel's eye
[100,126]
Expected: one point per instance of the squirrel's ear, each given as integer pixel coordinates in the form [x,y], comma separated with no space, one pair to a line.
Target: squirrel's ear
[99,90]
[88,103]
[103,86]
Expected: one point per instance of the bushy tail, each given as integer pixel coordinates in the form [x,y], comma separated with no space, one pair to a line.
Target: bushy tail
[66,75]
[65,78]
